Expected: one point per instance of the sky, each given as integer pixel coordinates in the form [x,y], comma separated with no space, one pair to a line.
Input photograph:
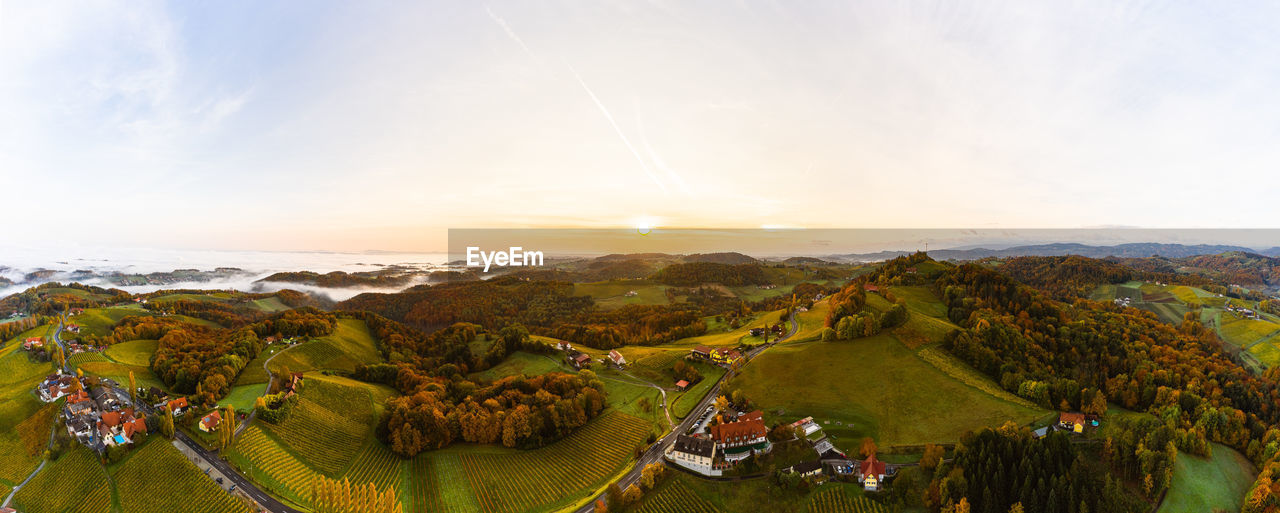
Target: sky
[318,125]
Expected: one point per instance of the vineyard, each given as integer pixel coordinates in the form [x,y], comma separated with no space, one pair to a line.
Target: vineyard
[271,466]
[440,484]
[376,464]
[133,352]
[838,500]
[675,498]
[157,478]
[349,345]
[53,490]
[328,425]
[510,481]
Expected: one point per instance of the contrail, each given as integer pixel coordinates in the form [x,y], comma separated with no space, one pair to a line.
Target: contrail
[510,33]
[657,160]
[613,123]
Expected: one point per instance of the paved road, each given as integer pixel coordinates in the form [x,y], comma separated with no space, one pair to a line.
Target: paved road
[51,432]
[249,418]
[655,452]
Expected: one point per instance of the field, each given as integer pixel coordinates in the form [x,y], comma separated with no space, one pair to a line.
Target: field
[243,397]
[97,364]
[684,403]
[1245,332]
[674,497]
[1209,484]
[76,482]
[133,352]
[728,338]
[612,294]
[521,362]
[156,478]
[874,387]
[99,321]
[841,500]
[469,478]
[270,305]
[329,429]
[349,345]
[811,322]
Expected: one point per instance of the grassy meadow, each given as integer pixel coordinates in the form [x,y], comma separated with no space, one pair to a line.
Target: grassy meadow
[1209,484]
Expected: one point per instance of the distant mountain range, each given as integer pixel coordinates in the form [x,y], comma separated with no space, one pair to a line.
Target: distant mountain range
[1134,250]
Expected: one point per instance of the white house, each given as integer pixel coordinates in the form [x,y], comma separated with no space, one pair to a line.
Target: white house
[617,358]
[696,454]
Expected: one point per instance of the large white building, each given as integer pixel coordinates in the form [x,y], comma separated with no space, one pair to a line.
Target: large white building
[696,454]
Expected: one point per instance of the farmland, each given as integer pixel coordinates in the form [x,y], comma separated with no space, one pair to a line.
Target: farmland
[133,352]
[467,478]
[270,466]
[612,294]
[843,499]
[76,482]
[520,362]
[349,345]
[902,400]
[184,487]
[674,496]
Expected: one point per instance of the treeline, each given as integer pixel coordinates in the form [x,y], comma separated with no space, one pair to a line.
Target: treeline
[493,303]
[12,329]
[40,300]
[514,411]
[697,273]
[631,325]
[1066,277]
[994,470]
[217,312]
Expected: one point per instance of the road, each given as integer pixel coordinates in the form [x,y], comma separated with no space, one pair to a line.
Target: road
[264,500]
[249,418]
[655,452]
[15,489]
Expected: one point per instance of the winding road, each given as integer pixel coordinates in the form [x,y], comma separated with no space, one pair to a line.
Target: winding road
[656,451]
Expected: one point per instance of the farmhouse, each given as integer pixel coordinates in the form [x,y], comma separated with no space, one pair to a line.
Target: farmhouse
[580,360]
[682,385]
[696,454]
[617,358]
[564,346]
[756,332]
[178,406]
[210,421]
[725,356]
[1072,421]
[871,473]
[74,328]
[702,352]
[807,469]
[807,424]
[33,343]
[76,311]
[631,293]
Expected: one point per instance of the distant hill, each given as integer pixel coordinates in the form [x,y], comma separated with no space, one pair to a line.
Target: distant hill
[1133,250]
[720,258]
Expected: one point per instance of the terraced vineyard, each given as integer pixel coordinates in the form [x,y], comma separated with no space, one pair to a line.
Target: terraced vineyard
[349,345]
[493,479]
[675,498]
[158,479]
[838,500]
[271,466]
[53,489]
[325,438]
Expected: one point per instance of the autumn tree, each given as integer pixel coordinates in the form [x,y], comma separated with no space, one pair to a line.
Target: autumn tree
[133,388]
[932,456]
[868,447]
[650,475]
[632,495]
[614,493]
[166,422]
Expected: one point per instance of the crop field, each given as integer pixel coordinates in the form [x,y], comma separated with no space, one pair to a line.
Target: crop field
[79,359]
[183,486]
[270,305]
[674,497]
[811,322]
[16,367]
[494,479]
[100,321]
[272,467]
[349,345]
[652,363]
[839,500]
[97,365]
[909,401]
[1245,332]
[254,372]
[378,465]
[133,352]
[728,338]
[1218,483]
[76,482]
[520,362]
[1267,353]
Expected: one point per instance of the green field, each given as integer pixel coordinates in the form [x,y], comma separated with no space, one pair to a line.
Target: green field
[521,362]
[1209,484]
[874,387]
[156,478]
[681,493]
[100,321]
[270,305]
[612,294]
[75,483]
[684,402]
[133,352]
[812,322]
[728,338]
[349,345]
[243,397]
[484,478]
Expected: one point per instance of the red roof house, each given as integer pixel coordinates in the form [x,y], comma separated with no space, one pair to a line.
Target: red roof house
[871,473]
[682,384]
[734,434]
[210,421]
[175,404]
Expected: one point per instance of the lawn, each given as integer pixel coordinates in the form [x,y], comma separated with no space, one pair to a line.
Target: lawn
[682,405]
[270,305]
[349,345]
[243,397]
[874,387]
[1209,484]
[812,321]
[133,352]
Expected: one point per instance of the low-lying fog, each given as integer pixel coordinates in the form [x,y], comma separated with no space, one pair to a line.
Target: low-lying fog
[17,263]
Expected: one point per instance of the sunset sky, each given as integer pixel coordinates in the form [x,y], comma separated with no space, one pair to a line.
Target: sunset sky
[379,125]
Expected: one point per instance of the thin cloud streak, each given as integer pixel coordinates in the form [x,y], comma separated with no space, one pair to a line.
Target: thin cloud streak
[617,129]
